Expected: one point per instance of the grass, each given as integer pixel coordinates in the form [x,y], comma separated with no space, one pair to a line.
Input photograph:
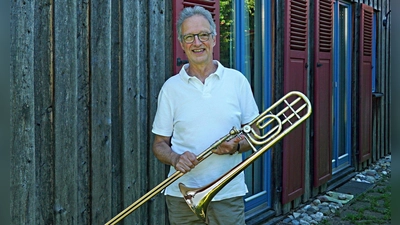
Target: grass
[369,208]
[377,202]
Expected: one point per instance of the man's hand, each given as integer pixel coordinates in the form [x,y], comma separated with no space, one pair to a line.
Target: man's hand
[162,150]
[185,162]
[228,147]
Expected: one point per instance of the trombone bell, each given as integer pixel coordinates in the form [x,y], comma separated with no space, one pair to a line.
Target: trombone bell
[196,200]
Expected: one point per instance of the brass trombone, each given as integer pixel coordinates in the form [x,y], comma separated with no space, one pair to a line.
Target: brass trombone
[294,108]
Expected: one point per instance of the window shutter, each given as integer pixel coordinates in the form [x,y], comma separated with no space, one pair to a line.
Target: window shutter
[179,57]
[295,78]
[322,107]
[365,84]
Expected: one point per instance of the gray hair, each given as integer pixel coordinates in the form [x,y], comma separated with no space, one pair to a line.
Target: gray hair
[196,10]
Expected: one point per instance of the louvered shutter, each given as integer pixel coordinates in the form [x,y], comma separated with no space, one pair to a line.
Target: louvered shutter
[365,84]
[322,105]
[295,78]
[179,57]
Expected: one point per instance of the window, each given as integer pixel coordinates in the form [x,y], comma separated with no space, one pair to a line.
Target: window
[342,87]
[243,26]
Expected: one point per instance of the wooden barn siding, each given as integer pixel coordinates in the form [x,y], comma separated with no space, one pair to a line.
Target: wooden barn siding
[159,61]
[383,51]
[23,157]
[84,86]
[380,114]
[277,88]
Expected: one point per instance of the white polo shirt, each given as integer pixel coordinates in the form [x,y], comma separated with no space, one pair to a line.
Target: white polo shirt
[196,115]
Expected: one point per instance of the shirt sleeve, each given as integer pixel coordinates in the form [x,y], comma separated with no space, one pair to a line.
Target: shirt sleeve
[163,120]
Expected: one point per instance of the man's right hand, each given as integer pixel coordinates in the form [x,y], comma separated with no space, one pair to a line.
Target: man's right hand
[185,162]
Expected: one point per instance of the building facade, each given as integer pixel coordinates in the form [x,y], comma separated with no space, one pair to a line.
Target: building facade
[85,76]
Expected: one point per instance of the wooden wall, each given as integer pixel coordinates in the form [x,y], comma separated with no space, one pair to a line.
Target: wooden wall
[381,107]
[85,76]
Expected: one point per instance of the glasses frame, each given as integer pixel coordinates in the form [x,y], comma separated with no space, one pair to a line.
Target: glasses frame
[194,37]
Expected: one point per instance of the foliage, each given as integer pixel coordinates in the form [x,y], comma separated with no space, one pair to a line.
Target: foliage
[227,26]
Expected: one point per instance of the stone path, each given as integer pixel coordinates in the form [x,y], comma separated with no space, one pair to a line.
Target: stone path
[340,208]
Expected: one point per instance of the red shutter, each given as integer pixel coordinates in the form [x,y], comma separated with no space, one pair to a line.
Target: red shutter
[322,107]
[365,83]
[213,6]
[295,78]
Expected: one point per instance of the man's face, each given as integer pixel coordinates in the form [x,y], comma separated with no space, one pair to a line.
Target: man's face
[198,52]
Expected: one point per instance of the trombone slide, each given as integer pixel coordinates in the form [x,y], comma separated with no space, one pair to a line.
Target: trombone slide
[278,121]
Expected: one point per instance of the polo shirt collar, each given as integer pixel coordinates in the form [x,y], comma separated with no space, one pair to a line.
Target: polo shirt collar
[219,72]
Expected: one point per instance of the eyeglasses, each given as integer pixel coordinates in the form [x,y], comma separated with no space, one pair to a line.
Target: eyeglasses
[203,37]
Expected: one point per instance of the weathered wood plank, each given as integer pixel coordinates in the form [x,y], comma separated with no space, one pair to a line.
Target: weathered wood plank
[134,106]
[116,96]
[380,70]
[83,114]
[22,183]
[44,133]
[379,88]
[379,77]
[65,109]
[387,84]
[101,120]
[296,202]
[381,81]
[354,89]
[384,72]
[277,94]
[160,34]
[375,125]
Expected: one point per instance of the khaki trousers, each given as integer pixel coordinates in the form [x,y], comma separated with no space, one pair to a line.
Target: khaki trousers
[226,212]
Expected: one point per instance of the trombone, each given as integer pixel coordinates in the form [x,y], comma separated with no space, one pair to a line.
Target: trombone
[294,108]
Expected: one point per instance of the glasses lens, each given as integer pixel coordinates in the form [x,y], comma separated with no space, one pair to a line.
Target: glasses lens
[188,38]
[204,36]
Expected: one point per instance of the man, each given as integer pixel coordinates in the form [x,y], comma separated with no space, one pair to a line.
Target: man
[195,108]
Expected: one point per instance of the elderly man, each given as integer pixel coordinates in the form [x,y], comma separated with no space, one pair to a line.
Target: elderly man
[195,108]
